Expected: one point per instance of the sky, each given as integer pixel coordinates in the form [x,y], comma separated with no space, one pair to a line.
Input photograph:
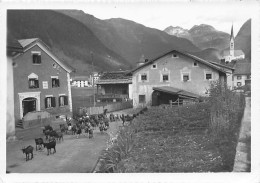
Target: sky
[186,15]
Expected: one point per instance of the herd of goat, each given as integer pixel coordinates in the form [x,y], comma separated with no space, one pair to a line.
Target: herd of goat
[75,126]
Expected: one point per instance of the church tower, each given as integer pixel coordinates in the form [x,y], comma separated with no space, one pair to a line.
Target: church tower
[232,43]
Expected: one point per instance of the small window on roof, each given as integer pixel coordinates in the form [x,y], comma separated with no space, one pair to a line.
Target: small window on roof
[174,55]
[154,66]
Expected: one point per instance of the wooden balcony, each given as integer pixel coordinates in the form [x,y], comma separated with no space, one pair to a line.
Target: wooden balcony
[111,97]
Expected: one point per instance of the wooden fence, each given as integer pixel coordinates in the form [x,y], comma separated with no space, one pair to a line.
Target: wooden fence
[179,102]
[109,107]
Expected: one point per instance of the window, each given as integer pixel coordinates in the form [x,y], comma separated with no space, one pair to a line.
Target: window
[186,77]
[33,83]
[50,102]
[154,66]
[208,76]
[174,55]
[195,64]
[63,100]
[239,84]
[238,77]
[141,98]
[248,76]
[36,57]
[55,82]
[144,77]
[165,77]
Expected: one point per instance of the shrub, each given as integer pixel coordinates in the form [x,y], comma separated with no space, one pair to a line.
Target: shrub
[226,111]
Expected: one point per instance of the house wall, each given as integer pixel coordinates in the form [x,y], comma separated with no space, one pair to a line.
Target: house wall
[44,71]
[10,122]
[174,66]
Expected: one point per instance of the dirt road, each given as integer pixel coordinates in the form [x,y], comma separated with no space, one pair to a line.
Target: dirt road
[73,155]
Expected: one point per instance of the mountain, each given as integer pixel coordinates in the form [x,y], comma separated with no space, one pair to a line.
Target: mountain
[179,32]
[203,36]
[243,39]
[70,40]
[130,39]
[211,54]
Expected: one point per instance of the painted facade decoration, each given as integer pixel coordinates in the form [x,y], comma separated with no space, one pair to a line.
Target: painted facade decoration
[174,69]
[232,54]
[41,81]
[115,86]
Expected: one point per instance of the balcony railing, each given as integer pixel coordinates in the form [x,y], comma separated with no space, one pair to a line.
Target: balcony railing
[104,96]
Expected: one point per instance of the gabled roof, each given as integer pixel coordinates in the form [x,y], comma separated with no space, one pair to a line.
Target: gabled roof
[29,43]
[176,91]
[115,77]
[242,68]
[221,65]
[236,53]
[216,67]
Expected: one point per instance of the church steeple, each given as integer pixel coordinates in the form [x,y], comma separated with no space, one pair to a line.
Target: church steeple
[232,43]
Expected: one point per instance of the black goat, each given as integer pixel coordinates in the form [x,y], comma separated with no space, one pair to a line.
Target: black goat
[63,128]
[39,142]
[57,135]
[28,150]
[49,146]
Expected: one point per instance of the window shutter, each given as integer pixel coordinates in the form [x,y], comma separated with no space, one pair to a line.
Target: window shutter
[40,59]
[59,100]
[65,100]
[58,82]
[53,102]
[46,103]
[29,83]
[36,83]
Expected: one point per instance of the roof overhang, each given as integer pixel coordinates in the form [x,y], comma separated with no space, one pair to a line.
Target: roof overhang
[208,63]
[176,91]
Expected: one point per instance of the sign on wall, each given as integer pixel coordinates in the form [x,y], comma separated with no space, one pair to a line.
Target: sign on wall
[45,84]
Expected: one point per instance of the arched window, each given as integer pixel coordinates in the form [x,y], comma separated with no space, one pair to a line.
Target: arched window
[33,81]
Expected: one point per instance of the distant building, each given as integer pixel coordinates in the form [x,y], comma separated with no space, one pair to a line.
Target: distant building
[41,81]
[174,75]
[80,81]
[94,77]
[232,54]
[115,86]
[242,73]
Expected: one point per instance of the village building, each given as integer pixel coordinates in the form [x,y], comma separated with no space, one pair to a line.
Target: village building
[242,73]
[174,75]
[94,77]
[115,87]
[232,54]
[80,81]
[41,82]
[13,47]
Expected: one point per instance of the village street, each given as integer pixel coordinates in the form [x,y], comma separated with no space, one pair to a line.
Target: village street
[73,155]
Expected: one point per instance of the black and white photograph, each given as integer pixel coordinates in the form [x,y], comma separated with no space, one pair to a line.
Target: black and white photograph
[114,88]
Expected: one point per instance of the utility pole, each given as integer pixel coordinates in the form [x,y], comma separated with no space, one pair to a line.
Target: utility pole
[93,81]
